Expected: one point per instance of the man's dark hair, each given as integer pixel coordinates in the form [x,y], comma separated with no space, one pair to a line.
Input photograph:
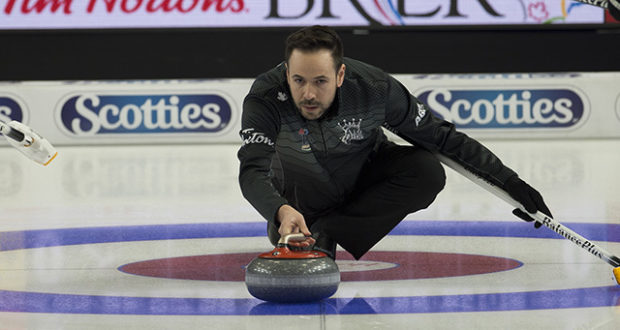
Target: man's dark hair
[313,38]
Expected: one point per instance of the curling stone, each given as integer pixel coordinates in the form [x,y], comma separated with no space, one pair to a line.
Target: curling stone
[285,275]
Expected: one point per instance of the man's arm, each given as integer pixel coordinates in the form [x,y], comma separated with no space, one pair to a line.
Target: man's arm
[259,128]
[414,122]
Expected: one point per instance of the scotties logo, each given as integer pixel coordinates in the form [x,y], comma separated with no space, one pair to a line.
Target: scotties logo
[11,109]
[515,108]
[92,114]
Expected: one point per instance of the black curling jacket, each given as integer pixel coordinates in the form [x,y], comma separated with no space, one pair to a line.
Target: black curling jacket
[313,165]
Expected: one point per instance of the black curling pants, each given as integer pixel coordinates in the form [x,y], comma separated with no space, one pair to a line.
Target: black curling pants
[396,181]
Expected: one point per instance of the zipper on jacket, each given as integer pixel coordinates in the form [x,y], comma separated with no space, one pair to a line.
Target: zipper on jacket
[323,138]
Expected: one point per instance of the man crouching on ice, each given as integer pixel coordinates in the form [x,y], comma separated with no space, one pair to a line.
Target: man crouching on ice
[315,159]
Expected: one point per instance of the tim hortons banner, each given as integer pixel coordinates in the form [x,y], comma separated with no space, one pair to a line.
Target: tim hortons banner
[103,14]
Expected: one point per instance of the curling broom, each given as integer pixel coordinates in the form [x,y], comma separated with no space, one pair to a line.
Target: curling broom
[538,216]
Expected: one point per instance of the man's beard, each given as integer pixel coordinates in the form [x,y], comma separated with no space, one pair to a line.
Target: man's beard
[315,114]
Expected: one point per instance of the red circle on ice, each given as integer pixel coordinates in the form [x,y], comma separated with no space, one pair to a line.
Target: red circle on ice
[374,266]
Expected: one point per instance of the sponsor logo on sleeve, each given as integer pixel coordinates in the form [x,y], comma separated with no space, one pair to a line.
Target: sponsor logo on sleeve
[420,114]
[557,108]
[92,114]
[250,136]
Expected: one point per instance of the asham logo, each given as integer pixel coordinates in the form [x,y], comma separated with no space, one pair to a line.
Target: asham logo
[92,114]
[507,108]
[11,108]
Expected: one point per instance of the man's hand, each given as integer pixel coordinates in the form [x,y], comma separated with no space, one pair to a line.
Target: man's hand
[529,197]
[291,222]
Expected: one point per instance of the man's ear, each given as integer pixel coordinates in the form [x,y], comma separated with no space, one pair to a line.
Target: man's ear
[340,75]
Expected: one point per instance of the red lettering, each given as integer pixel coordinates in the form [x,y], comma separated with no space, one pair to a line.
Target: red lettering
[9,6]
[179,6]
[240,6]
[167,7]
[109,5]
[151,6]
[207,4]
[223,5]
[125,7]
[235,6]
[40,5]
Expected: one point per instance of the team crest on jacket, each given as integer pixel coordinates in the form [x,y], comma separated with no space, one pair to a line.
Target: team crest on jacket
[352,130]
[282,96]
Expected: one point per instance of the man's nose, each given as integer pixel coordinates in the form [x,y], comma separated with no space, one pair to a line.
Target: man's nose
[309,93]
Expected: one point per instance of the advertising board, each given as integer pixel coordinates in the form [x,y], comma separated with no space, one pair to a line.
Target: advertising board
[104,14]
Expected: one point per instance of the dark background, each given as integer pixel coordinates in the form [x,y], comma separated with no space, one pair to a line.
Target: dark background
[244,53]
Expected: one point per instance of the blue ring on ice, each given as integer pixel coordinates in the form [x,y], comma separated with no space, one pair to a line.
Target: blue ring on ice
[38,302]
